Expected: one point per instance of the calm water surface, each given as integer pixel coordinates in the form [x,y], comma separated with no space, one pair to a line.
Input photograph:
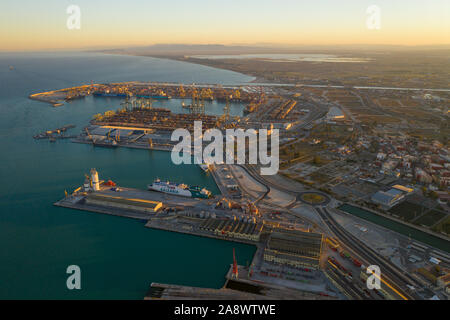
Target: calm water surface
[119,258]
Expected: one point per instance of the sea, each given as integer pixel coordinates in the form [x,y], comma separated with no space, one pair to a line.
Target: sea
[118,257]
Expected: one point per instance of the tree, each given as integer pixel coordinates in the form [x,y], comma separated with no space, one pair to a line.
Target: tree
[433,195]
[317,160]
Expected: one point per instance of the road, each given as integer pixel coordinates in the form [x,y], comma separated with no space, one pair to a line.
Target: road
[392,276]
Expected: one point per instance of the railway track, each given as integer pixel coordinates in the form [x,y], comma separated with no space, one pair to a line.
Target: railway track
[397,279]
[369,255]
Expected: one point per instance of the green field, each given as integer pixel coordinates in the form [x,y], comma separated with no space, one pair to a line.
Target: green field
[444,226]
[407,210]
[430,218]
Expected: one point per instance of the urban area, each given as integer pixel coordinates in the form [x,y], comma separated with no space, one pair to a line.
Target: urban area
[364,180]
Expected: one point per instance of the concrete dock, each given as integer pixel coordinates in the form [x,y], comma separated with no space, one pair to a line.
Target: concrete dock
[240,288]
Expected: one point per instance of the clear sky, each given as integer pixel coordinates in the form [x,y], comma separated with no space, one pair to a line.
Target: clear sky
[41,24]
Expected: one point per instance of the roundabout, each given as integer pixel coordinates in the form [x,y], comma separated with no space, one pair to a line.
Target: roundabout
[313,198]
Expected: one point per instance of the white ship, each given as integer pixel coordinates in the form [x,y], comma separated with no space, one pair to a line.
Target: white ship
[179,189]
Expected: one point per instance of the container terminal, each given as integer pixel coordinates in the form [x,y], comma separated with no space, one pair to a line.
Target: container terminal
[303,241]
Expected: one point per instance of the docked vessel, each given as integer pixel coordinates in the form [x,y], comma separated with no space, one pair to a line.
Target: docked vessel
[105,143]
[157,97]
[203,165]
[179,189]
[109,94]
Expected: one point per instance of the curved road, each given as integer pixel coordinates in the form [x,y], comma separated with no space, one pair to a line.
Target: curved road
[398,280]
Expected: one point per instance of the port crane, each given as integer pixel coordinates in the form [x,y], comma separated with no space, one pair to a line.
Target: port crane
[181,92]
[197,105]
[235,267]
[89,135]
[225,117]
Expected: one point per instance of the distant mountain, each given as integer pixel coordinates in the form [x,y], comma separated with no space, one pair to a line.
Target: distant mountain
[211,49]
[190,49]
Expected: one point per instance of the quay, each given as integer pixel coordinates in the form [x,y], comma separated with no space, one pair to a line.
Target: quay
[235,288]
[57,133]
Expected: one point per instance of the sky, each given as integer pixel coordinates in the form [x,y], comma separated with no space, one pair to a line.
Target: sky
[28,25]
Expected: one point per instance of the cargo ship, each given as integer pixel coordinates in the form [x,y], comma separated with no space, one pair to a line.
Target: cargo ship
[179,189]
[109,94]
[105,143]
[155,96]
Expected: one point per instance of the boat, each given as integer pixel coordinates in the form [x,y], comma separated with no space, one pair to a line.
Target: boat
[203,165]
[107,144]
[108,94]
[179,189]
[156,97]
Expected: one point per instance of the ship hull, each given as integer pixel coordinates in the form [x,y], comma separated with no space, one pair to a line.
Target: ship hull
[189,192]
[120,95]
[104,145]
[171,190]
[157,97]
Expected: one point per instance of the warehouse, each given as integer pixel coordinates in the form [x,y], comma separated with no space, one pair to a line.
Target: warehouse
[295,248]
[140,205]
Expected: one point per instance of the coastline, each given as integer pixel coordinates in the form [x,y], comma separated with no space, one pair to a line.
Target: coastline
[260,79]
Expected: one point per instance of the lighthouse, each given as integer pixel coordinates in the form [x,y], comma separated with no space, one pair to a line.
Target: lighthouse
[94,179]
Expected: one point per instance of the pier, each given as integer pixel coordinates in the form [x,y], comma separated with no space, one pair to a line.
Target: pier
[57,133]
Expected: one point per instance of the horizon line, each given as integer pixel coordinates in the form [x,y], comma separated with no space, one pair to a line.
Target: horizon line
[254,45]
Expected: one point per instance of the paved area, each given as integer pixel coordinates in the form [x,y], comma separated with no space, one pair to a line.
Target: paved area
[153,196]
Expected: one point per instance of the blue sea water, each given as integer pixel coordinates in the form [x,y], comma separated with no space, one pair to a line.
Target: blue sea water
[118,257]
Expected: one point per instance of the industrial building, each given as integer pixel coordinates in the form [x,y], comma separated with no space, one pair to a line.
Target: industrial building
[387,199]
[140,205]
[335,113]
[245,230]
[295,248]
